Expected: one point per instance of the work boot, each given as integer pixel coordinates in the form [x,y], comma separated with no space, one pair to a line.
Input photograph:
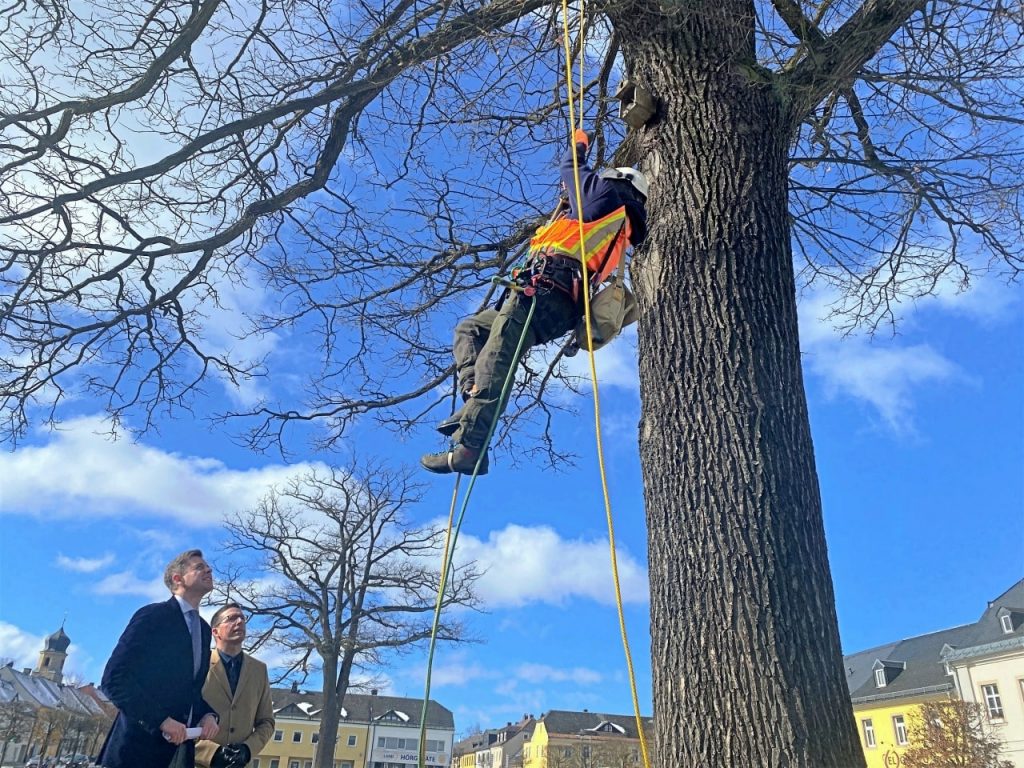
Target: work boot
[449,426]
[460,458]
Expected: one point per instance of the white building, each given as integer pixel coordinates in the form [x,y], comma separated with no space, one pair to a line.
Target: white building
[373,732]
[988,668]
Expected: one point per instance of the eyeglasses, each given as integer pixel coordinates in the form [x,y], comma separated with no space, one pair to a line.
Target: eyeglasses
[232,619]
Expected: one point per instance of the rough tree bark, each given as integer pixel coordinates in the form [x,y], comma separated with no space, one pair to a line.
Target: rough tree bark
[745,642]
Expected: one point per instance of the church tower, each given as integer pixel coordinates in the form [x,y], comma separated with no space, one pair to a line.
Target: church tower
[53,656]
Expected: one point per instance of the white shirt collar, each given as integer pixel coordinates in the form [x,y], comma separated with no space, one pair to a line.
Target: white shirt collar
[184,604]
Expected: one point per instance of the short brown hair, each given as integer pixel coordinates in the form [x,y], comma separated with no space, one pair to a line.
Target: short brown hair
[178,566]
[216,618]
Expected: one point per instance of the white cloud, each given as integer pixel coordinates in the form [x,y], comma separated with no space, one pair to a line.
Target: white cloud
[881,372]
[21,646]
[84,564]
[885,372]
[80,471]
[127,583]
[616,364]
[456,669]
[535,565]
[542,673]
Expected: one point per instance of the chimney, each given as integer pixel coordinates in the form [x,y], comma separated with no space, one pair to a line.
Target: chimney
[373,691]
[295,687]
[27,671]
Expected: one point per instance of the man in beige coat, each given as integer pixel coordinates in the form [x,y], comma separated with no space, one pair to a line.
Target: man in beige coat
[238,689]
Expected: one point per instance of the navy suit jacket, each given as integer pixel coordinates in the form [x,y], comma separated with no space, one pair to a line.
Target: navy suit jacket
[149,678]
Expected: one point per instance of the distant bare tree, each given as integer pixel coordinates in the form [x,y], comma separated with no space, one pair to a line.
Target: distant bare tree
[333,574]
[16,719]
[952,734]
[368,165]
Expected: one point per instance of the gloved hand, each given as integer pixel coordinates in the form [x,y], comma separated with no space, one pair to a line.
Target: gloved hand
[580,137]
[231,756]
[219,759]
[238,754]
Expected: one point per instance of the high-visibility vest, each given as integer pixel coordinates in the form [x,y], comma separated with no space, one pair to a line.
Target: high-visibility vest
[605,239]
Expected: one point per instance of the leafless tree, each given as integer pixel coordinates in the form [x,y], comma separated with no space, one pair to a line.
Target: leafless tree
[16,719]
[334,575]
[372,164]
[952,734]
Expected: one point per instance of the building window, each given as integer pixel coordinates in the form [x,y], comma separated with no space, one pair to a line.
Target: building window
[869,733]
[296,738]
[351,739]
[278,735]
[293,764]
[880,678]
[391,742]
[992,701]
[315,738]
[1007,623]
[275,763]
[435,745]
[899,727]
[308,764]
[255,762]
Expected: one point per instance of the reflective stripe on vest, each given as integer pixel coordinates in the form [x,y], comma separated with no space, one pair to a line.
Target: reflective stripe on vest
[605,240]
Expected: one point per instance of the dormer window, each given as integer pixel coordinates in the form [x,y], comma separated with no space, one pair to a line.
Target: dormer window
[606,726]
[1010,619]
[886,671]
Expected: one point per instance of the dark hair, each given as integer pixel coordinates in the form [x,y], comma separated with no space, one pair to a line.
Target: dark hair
[215,619]
[178,566]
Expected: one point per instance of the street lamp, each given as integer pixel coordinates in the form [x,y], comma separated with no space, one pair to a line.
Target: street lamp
[369,737]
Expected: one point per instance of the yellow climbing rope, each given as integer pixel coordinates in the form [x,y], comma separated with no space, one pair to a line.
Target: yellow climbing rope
[455,524]
[593,366]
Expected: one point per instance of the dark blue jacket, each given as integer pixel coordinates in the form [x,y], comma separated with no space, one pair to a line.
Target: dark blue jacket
[602,196]
[149,678]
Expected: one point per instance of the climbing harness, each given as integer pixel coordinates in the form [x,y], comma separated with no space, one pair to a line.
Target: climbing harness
[542,274]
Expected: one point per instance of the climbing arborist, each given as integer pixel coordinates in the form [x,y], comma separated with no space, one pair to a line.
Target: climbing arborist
[485,343]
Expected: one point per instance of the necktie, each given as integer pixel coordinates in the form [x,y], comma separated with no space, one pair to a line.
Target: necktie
[197,640]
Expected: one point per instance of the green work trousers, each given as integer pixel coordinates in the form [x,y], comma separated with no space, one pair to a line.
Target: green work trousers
[485,354]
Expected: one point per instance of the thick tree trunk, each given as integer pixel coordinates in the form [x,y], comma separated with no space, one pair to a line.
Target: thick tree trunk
[329,717]
[337,672]
[747,662]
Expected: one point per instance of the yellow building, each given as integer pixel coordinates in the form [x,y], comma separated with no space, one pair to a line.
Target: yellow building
[889,683]
[494,748]
[887,686]
[374,731]
[562,739]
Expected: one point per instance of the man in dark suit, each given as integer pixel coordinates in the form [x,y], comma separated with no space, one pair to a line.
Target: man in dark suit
[155,675]
[238,688]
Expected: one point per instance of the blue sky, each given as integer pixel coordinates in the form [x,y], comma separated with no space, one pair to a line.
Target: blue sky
[920,450]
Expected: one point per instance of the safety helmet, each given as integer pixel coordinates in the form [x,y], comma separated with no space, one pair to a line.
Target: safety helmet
[632,175]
